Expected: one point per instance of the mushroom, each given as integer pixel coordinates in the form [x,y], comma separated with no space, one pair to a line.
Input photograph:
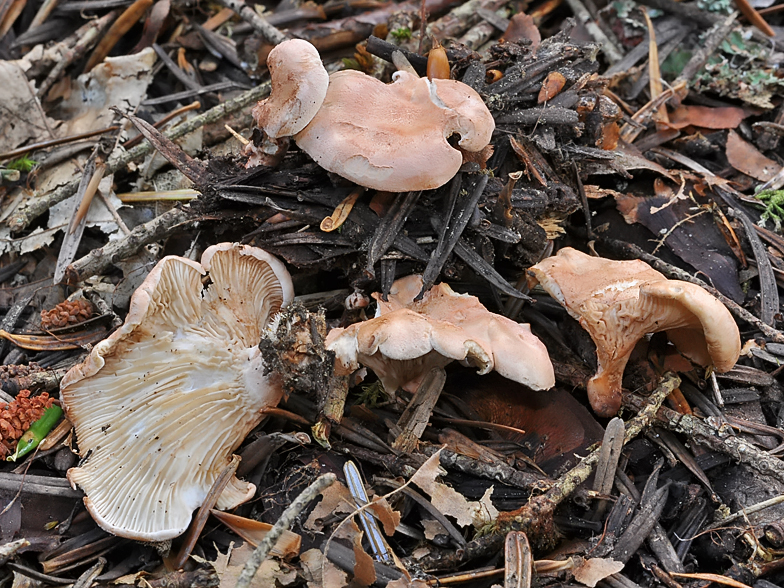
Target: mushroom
[619,302]
[299,84]
[159,406]
[517,354]
[407,339]
[401,347]
[390,137]
[393,137]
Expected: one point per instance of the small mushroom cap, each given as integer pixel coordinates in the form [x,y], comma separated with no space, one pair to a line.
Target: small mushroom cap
[393,137]
[619,302]
[401,347]
[159,406]
[299,85]
[516,353]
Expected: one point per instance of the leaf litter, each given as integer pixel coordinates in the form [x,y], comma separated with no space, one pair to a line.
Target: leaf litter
[589,147]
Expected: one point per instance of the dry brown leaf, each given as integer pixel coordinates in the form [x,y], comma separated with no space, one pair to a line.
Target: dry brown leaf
[745,158]
[271,572]
[433,528]
[335,499]
[332,576]
[364,571]
[406,583]
[381,202]
[521,26]
[254,531]
[591,571]
[341,212]
[654,73]
[311,562]
[727,117]
[551,87]
[388,516]
[449,501]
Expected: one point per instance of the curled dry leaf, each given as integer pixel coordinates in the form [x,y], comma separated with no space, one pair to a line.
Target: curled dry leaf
[449,501]
[551,87]
[336,499]
[521,26]
[725,117]
[591,571]
[744,157]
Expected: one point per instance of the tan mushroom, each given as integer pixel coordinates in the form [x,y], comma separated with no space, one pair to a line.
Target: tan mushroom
[406,339]
[159,406]
[299,84]
[401,347]
[517,354]
[619,302]
[393,137]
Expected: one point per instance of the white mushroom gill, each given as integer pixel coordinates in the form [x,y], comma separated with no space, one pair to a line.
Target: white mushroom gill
[159,406]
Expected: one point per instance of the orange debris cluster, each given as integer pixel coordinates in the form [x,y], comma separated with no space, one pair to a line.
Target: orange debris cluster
[18,416]
[66,313]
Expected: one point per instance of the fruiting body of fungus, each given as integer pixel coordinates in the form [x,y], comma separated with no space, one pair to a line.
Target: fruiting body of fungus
[390,137]
[407,339]
[159,406]
[619,302]
[299,84]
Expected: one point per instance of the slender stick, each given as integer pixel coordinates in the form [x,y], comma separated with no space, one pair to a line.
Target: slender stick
[284,522]
[40,203]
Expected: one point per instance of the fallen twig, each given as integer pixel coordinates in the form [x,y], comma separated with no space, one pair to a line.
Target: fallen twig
[716,438]
[100,259]
[284,522]
[40,203]
[536,517]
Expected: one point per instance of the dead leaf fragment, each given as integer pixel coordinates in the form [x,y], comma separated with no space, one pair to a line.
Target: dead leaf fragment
[552,86]
[521,26]
[388,516]
[745,158]
[335,499]
[591,571]
[254,531]
[726,117]
[364,571]
[449,501]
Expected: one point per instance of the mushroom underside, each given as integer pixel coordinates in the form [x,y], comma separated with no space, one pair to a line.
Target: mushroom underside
[159,406]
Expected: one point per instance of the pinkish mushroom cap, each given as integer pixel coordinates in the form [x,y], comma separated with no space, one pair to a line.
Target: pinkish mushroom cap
[393,137]
[401,347]
[299,85]
[159,406]
[516,353]
[619,302]
[407,339]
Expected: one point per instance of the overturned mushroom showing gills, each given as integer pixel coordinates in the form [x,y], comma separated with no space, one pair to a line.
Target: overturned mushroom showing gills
[407,339]
[619,302]
[159,406]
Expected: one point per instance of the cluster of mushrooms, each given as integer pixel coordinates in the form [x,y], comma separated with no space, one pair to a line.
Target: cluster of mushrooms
[187,358]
